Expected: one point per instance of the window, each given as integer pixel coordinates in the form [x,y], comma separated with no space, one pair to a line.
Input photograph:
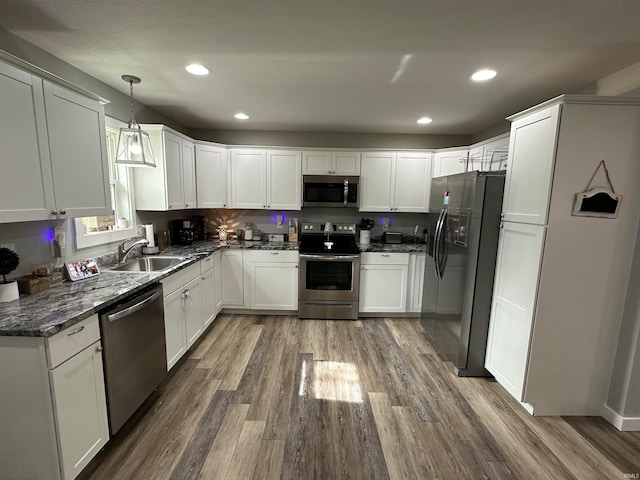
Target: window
[121,224]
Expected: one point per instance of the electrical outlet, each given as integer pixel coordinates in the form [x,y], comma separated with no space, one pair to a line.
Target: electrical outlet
[10,246]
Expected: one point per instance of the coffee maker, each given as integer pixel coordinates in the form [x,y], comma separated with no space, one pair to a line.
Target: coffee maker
[181,232]
[199,231]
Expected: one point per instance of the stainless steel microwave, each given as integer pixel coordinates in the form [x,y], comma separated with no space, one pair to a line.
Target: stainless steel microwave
[329,191]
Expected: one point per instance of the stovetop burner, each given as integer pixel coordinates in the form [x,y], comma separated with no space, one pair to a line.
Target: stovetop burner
[328,238]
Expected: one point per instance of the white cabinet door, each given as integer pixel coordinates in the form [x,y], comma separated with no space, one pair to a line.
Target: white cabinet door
[174,327]
[77,143]
[217,278]
[513,307]
[173,168]
[193,310]
[530,167]
[412,182]
[416,281]
[383,288]
[274,286]
[211,176]
[377,181]
[449,163]
[189,174]
[233,275]
[27,192]
[248,178]
[80,409]
[208,293]
[345,163]
[325,162]
[317,162]
[476,158]
[496,154]
[284,180]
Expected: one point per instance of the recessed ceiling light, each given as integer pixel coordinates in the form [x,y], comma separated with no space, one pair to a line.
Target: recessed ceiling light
[197,69]
[424,120]
[482,75]
[241,116]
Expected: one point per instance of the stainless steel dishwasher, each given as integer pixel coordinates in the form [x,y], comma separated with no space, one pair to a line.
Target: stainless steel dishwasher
[134,353]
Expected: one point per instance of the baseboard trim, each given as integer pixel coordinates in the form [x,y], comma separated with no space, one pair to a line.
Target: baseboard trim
[624,424]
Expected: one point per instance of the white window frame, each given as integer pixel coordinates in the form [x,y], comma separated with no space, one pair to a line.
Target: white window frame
[92,239]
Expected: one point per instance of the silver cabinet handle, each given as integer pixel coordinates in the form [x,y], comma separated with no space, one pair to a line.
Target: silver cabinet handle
[54,212]
[386,255]
[275,253]
[99,349]
[63,212]
[76,331]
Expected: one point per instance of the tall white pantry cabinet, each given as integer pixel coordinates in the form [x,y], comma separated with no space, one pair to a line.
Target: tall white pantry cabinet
[561,280]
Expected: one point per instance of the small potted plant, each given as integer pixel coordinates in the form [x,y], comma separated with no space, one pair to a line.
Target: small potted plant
[9,261]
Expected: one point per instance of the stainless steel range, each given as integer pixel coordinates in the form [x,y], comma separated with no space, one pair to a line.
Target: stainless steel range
[329,281]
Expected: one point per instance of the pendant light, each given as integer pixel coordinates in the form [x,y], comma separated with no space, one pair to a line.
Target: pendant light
[134,145]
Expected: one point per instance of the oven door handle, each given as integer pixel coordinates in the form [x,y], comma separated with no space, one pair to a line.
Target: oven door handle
[329,257]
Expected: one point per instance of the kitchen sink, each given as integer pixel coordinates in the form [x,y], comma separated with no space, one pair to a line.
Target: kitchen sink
[149,264]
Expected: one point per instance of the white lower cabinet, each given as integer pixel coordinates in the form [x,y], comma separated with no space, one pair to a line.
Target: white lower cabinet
[217,276]
[210,303]
[53,412]
[417,263]
[514,297]
[233,275]
[183,320]
[383,282]
[271,279]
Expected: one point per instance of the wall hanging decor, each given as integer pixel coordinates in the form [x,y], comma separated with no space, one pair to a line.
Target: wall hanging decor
[599,201]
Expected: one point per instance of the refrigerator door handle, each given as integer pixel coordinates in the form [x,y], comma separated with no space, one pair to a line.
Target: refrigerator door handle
[440,254]
[436,236]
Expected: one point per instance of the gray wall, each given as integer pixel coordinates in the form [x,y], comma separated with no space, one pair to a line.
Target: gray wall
[120,103]
[330,140]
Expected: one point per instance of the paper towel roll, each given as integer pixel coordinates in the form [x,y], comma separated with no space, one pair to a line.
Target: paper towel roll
[148,231]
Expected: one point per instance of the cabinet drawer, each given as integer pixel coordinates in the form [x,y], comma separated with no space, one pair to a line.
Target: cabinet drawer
[384,258]
[72,340]
[179,279]
[284,256]
[206,264]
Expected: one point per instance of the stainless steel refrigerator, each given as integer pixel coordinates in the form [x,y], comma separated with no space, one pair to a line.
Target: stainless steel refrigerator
[456,300]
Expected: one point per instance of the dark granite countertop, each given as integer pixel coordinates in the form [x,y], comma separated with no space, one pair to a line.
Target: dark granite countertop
[46,313]
[393,247]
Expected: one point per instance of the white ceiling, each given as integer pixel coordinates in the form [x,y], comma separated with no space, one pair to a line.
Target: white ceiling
[334,65]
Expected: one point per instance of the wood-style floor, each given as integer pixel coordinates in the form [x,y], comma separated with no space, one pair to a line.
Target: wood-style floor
[270,397]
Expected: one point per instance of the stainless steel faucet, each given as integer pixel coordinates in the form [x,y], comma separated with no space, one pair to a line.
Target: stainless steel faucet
[124,252]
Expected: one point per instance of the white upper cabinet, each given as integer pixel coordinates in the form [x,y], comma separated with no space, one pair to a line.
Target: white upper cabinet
[211,176]
[27,193]
[77,140]
[395,181]
[450,162]
[51,137]
[248,178]
[324,162]
[412,182]
[266,179]
[530,167]
[189,173]
[171,185]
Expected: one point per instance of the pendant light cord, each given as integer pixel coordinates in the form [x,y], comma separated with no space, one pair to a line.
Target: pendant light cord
[133,121]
